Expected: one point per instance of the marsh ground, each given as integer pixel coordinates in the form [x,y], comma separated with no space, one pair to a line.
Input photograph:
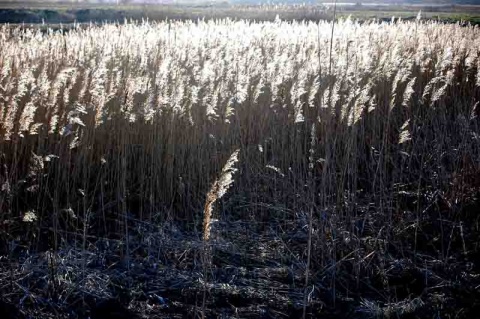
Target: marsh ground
[38,12]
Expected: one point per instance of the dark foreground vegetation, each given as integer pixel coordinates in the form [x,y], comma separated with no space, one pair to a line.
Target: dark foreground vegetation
[258,271]
[356,195]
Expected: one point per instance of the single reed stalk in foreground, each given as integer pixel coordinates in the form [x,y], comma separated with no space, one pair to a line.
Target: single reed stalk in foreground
[311,161]
[218,189]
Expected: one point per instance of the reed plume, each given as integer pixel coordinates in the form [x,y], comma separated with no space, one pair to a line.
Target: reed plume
[218,189]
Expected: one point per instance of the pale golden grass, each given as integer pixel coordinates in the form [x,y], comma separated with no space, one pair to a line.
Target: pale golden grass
[132,113]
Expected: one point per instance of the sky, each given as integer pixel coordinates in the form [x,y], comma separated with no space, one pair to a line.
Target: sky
[434,2]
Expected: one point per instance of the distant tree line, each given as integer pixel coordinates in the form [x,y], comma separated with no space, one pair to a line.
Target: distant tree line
[106,1]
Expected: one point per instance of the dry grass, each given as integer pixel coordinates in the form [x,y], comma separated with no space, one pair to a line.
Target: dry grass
[374,131]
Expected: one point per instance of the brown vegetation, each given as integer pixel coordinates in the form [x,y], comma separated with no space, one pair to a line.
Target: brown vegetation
[366,141]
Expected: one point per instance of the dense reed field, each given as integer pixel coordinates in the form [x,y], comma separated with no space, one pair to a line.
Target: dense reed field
[350,181]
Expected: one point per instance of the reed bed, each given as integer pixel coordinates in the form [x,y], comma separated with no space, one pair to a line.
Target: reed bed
[372,128]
